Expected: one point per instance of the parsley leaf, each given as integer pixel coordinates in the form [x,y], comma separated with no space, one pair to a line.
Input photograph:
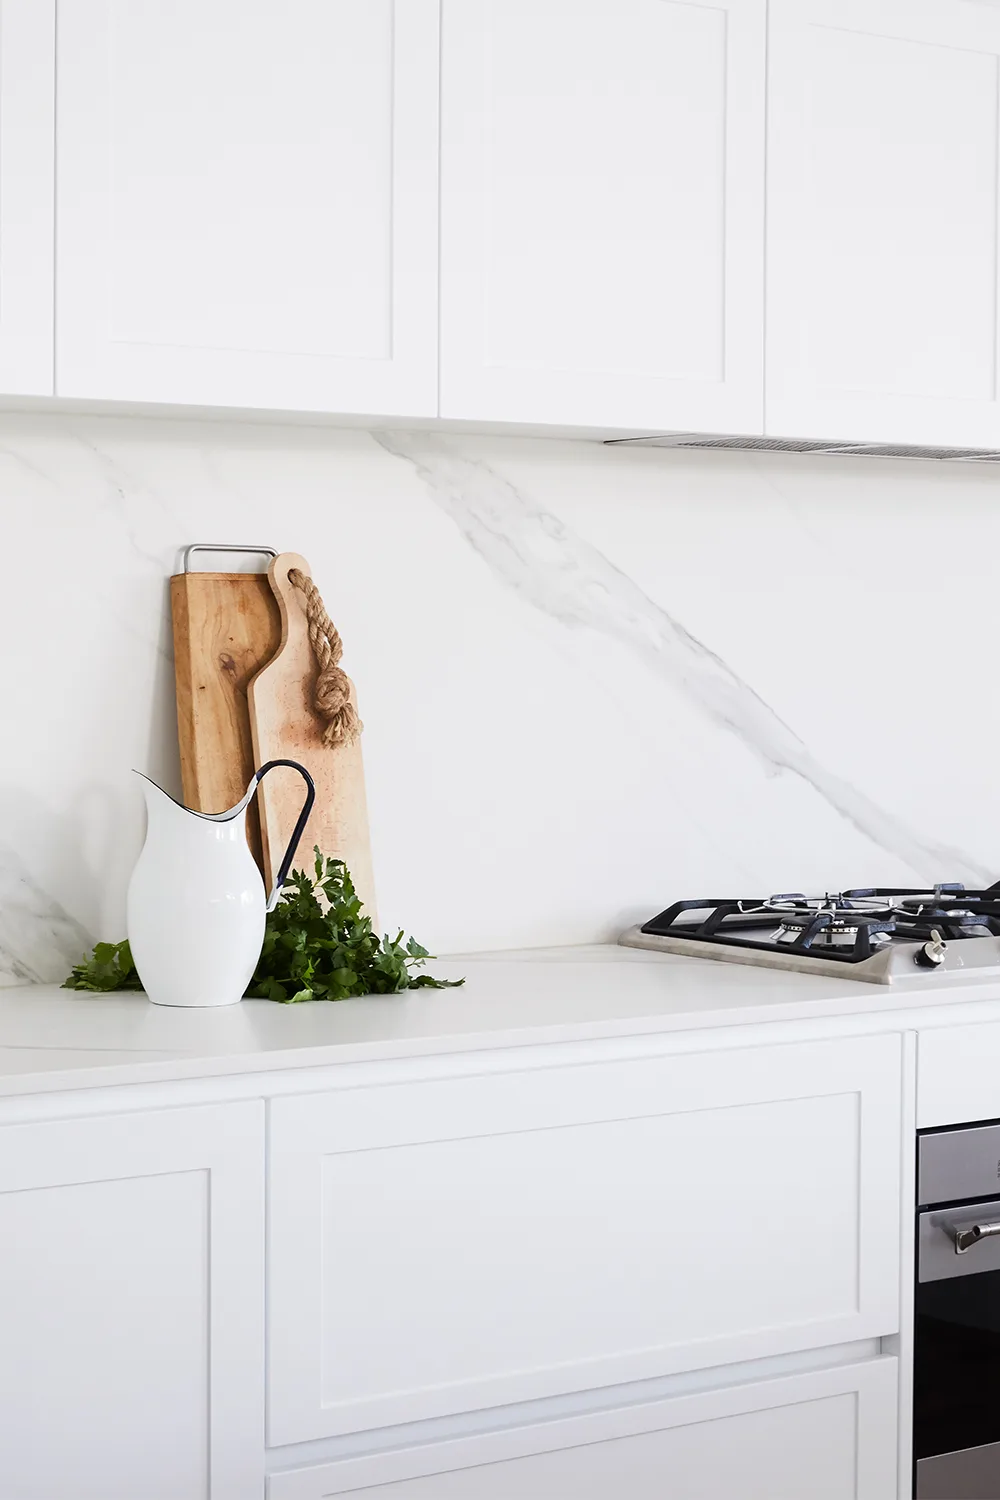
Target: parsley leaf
[109,967]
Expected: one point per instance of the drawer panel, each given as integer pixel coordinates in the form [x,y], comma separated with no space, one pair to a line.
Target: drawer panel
[829,1434]
[958,1075]
[445,1244]
[955,1164]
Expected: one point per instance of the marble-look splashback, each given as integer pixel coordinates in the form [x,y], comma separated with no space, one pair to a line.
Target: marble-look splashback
[592,679]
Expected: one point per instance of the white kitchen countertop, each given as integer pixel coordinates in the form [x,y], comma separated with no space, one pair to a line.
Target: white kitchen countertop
[53,1039]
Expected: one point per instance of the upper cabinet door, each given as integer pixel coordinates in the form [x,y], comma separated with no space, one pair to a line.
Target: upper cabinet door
[247,203]
[602,212]
[882,268]
[27,164]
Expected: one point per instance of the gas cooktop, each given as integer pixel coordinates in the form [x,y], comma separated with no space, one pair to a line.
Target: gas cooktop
[875,935]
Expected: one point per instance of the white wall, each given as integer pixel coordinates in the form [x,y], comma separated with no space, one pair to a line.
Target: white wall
[593,680]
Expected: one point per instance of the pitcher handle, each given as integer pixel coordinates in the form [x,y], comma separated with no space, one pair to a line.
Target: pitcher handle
[297,831]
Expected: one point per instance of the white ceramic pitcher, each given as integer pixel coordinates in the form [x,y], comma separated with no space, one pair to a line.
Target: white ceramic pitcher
[196,906]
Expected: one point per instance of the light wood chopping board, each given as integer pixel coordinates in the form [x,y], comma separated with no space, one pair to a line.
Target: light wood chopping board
[284,725]
[226,627]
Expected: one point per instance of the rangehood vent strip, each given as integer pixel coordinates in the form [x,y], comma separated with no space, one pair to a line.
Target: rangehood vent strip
[804,445]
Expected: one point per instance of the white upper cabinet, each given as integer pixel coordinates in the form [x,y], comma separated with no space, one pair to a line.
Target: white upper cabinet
[247,203]
[882,264]
[27,79]
[235,205]
[602,212]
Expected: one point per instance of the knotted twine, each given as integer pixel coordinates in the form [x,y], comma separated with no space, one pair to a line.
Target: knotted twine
[332,688]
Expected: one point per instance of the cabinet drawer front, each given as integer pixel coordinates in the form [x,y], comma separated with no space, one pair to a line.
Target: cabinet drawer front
[958,1074]
[829,1435]
[448,1244]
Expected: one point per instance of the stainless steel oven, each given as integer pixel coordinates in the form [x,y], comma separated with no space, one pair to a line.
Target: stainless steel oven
[956,1376]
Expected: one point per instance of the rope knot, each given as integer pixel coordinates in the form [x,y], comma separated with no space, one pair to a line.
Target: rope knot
[332,688]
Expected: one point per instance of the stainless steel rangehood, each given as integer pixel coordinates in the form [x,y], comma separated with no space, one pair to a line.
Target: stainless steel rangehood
[738,444]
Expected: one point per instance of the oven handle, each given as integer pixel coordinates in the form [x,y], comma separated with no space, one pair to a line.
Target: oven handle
[966,1236]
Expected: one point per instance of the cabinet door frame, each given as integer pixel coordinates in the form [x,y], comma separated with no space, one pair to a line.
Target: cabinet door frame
[796,404]
[27,196]
[91,364]
[472,390]
[304,1131]
[873,1382]
[227,1141]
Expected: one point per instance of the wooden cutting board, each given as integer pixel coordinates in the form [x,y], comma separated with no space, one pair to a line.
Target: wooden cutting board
[284,726]
[226,627]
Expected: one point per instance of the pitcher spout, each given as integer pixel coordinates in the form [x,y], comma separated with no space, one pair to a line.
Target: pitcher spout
[160,804]
[161,808]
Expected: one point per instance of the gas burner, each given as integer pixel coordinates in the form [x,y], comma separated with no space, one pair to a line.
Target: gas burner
[837,927]
[919,919]
[934,911]
[831,921]
[849,903]
[831,932]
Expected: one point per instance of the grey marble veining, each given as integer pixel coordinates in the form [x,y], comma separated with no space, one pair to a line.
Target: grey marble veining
[552,569]
[136,503]
[39,941]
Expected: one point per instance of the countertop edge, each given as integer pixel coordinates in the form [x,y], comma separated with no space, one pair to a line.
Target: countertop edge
[927,1010]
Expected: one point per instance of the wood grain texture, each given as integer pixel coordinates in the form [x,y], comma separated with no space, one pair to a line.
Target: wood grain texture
[284,725]
[226,627]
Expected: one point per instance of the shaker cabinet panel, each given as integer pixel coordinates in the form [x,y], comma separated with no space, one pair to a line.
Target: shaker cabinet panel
[442,1245]
[882,243]
[27,185]
[131,1306]
[602,212]
[247,203]
[957,1075]
[828,1435]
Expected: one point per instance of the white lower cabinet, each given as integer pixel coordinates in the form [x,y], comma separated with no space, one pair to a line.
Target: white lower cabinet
[450,1236]
[826,1435]
[131,1322]
[508,1231]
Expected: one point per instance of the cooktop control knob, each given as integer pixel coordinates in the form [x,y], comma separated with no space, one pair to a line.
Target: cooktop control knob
[929,955]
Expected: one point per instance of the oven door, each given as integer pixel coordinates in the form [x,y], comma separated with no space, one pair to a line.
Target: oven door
[956,1372]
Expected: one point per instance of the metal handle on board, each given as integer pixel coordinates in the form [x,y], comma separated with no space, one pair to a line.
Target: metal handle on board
[222,547]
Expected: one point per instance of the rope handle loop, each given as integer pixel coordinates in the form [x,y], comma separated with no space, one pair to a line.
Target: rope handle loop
[332,688]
